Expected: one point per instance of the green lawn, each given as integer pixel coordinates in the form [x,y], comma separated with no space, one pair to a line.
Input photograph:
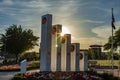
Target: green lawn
[106,62]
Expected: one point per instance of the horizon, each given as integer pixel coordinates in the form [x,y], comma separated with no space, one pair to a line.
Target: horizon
[89,22]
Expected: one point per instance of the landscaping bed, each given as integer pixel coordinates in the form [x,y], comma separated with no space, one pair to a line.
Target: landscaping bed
[9,68]
[89,75]
[56,76]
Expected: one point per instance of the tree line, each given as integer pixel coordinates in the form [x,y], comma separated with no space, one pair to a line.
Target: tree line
[17,40]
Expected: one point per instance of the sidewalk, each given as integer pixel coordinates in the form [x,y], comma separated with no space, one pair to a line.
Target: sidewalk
[109,71]
[9,75]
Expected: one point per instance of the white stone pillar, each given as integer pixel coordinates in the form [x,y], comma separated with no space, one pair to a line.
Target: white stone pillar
[56,30]
[83,60]
[46,27]
[77,57]
[65,52]
[59,30]
[75,50]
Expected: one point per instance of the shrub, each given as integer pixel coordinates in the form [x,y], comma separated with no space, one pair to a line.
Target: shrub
[8,61]
[92,72]
[19,77]
[35,64]
[30,56]
[107,76]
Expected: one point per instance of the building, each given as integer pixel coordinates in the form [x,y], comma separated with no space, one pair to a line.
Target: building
[95,51]
[96,48]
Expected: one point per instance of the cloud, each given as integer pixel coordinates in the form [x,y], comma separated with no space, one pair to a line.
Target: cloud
[102,31]
[27,10]
[2,28]
[92,21]
[86,42]
[6,2]
[105,31]
[84,18]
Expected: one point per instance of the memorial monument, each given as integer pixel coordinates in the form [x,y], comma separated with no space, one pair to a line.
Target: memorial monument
[57,52]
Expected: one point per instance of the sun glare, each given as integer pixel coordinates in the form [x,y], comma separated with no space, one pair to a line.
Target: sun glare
[65,31]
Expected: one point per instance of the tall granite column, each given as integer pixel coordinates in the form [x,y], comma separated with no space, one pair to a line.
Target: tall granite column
[83,60]
[46,27]
[65,52]
[75,50]
[55,47]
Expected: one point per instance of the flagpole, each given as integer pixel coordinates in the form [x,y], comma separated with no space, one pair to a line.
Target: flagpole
[113,27]
[112,51]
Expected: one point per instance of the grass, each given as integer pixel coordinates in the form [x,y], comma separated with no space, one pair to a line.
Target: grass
[106,62]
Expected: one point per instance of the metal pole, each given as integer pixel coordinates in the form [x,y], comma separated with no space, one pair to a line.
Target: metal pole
[113,27]
[112,51]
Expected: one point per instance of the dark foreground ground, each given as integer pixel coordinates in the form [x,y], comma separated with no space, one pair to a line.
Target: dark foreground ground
[9,75]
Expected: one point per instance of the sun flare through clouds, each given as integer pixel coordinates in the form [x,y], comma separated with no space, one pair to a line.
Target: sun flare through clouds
[65,30]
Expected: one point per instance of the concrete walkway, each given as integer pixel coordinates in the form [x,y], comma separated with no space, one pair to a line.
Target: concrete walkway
[9,75]
[116,72]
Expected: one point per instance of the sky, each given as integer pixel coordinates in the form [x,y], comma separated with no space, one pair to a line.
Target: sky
[88,21]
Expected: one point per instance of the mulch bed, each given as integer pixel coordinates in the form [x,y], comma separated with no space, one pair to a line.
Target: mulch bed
[62,76]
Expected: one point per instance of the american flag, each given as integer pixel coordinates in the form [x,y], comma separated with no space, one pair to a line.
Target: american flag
[113,20]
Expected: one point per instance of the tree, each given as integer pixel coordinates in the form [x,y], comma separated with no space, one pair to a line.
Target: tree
[16,40]
[93,54]
[30,56]
[116,42]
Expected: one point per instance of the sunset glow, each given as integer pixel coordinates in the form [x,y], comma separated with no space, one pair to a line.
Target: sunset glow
[65,30]
[88,22]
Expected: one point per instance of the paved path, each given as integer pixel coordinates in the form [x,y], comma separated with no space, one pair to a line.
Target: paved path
[9,75]
[115,73]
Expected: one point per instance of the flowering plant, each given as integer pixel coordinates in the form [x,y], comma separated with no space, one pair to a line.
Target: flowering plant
[60,76]
[10,67]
